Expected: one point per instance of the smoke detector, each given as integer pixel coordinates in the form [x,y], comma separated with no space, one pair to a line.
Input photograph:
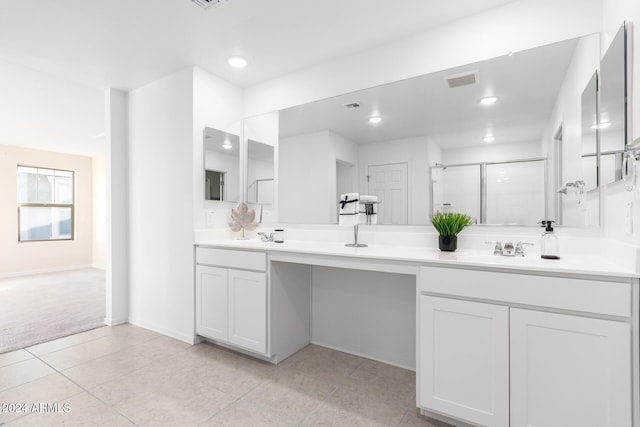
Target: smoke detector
[464,79]
[205,4]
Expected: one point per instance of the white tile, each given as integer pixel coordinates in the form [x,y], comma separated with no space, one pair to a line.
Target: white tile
[60,343]
[13,357]
[81,353]
[22,372]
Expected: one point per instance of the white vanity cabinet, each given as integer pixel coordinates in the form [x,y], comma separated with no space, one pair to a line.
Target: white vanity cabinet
[569,370]
[231,297]
[464,364]
[520,350]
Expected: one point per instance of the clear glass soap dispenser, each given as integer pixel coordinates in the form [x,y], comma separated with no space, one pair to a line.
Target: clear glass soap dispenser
[548,242]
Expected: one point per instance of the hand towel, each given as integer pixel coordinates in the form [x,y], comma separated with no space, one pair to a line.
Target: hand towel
[368,209]
[348,209]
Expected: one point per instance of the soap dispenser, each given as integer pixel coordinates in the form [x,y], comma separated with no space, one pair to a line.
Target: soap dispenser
[548,242]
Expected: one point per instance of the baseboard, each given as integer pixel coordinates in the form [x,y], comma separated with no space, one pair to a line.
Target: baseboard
[189,339]
[44,271]
[229,346]
[114,322]
[366,356]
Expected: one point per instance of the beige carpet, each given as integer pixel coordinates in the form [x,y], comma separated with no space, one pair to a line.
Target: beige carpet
[39,308]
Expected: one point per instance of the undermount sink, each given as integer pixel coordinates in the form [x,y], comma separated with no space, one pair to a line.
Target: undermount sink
[484,257]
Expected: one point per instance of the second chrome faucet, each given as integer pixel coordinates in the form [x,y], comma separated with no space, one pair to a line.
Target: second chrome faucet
[509,249]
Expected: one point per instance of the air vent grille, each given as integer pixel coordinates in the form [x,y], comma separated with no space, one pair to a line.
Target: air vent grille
[465,79]
[352,105]
[205,4]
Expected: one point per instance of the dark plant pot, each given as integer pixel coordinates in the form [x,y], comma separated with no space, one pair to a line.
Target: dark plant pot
[448,243]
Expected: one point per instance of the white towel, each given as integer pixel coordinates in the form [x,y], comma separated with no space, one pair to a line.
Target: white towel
[348,209]
[368,211]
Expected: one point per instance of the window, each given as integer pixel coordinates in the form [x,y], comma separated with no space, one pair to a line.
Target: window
[45,204]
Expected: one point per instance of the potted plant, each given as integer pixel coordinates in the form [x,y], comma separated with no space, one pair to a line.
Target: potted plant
[448,225]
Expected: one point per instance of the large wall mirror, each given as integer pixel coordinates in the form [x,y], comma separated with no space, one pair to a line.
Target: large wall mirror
[221,165]
[260,172]
[612,125]
[260,136]
[440,143]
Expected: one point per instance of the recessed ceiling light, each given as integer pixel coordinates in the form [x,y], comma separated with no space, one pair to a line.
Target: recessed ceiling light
[227,145]
[489,138]
[237,62]
[488,100]
[375,120]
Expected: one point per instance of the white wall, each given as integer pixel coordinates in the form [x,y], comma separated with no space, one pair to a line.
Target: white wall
[165,158]
[567,113]
[117,242]
[614,12]
[31,257]
[99,212]
[343,149]
[513,27]
[216,104]
[161,201]
[416,153]
[265,129]
[312,156]
[257,169]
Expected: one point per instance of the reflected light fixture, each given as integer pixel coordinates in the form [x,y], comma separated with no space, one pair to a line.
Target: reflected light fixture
[375,119]
[237,62]
[227,145]
[489,138]
[603,125]
[488,100]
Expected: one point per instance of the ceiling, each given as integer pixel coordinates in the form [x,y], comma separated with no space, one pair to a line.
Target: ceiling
[526,84]
[125,44]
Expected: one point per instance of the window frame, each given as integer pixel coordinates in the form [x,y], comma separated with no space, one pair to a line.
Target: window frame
[49,205]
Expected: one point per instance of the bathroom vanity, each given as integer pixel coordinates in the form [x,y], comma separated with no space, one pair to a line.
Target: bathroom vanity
[498,341]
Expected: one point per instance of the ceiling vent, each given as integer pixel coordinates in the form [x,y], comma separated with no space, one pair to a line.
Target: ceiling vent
[205,4]
[464,79]
[352,105]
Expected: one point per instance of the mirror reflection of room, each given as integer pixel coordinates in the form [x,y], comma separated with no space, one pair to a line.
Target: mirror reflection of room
[612,109]
[489,139]
[260,173]
[222,165]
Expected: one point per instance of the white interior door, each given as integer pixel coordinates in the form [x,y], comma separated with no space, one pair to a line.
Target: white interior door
[389,183]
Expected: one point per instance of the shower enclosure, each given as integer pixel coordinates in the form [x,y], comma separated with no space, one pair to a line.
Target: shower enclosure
[507,193]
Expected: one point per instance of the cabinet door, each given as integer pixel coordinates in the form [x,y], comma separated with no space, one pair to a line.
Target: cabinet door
[464,360]
[211,302]
[569,371]
[248,310]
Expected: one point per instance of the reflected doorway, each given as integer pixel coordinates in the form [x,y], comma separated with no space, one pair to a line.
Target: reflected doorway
[214,185]
[389,182]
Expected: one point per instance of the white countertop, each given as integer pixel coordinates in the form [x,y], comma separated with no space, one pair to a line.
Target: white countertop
[568,264]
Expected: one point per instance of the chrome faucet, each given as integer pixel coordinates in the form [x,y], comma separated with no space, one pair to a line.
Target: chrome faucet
[508,249]
[520,248]
[266,238]
[497,250]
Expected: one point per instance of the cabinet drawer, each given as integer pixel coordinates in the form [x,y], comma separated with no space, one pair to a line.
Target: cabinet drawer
[590,296]
[245,260]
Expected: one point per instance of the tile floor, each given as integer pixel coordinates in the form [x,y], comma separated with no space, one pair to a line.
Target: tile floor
[128,376]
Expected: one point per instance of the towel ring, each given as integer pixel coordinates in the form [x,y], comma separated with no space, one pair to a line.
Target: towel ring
[629,170]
